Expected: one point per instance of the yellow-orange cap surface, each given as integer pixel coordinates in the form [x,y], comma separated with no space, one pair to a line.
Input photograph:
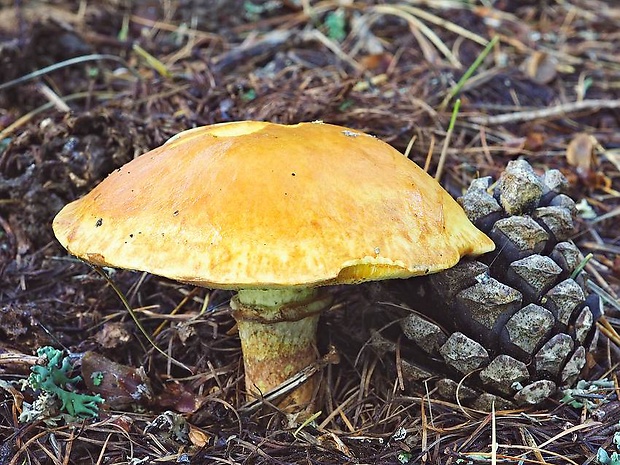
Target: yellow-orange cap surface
[256,205]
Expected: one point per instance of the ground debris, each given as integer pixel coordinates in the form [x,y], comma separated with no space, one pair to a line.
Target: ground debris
[548,84]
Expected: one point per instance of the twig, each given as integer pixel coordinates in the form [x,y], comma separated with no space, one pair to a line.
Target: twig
[53,98]
[20,359]
[558,110]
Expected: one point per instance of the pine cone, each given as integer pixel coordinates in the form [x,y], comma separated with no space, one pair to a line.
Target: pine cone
[515,326]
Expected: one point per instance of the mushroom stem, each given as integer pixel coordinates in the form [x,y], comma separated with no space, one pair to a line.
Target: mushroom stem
[277,328]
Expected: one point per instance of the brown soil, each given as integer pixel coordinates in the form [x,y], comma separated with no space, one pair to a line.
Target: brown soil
[147,70]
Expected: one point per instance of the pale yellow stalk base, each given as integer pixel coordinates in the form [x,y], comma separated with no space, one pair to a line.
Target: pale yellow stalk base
[277,328]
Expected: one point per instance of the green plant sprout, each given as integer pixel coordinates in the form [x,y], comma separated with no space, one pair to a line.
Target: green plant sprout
[335,23]
[614,459]
[52,379]
[97,378]
[474,66]
[588,394]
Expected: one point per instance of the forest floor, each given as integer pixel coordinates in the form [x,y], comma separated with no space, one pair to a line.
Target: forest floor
[119,78]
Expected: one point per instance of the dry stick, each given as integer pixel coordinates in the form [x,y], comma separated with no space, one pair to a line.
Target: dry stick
[21,359]
[558,110]
[446,143]
[53,98]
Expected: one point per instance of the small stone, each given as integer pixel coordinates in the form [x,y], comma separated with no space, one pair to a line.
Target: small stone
[563,299]
[583,324]
[550,358]
[426,334]
[503,372]
[535,392]
[573,367]
[557,220]
[487,402]
[533,276]
[448,388]
[412,372]
[464,354]
[520,189]
[521,233]
[526,330]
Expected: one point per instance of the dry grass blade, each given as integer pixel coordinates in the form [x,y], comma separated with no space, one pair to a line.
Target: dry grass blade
[66,63]
[531,442]
[442,22]
[129,309]
[605,327]
[446,144]
[401,11]
[333,47]
[494,445]
[571,430]
[53,98]
[278,61]
[23,120]
[290,384]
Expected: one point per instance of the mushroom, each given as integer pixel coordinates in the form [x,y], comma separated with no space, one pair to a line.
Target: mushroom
[275,212]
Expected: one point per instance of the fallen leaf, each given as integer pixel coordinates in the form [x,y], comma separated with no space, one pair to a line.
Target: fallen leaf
[175,396]
[580,152]
[120,385]
[113,335]
[541,67]
[198,437]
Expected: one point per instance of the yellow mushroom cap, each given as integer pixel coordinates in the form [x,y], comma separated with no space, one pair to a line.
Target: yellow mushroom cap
[259,205]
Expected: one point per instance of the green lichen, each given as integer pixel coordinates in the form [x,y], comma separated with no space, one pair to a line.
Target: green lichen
[53,378]
[97,378]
